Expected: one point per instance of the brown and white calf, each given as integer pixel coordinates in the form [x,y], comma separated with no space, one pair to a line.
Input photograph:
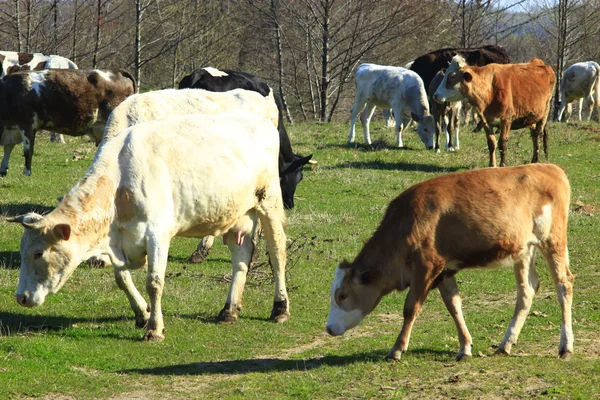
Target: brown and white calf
[446,116]
[191,176]
[480,218]
[69,101]
[516,95]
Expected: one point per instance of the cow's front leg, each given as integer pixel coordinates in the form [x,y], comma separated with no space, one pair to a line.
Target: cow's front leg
[158,250]
[491,142]
[139,306]
[536,136]
[5,160]
[241,256]
[503,140]
[28,136]
[366,121]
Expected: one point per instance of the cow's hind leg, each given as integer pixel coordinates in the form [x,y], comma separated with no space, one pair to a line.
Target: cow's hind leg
[527,285]
[28,136]
[271,214]
[158,251]
[537,134]
[203,250]
[8,148]
[558,263]
[366,121]
[241,256]
[359,105]
[139,306]
[449,291]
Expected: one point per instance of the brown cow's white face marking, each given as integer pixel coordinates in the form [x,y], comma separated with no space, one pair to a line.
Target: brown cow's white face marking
[351,301]
[449,88]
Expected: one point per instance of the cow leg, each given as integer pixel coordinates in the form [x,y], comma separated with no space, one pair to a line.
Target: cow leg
[491,142]
[558,263]
[438,130]
[366,121]
[568,112]
[158,250]
[387,116]
[456,125]
[139,306]
[422,278]
[8,148]
[536,136]
[451,127]
[57,137]
[401,122]
[449,291]
[203,250]
[359,105]
[271,214]
[503,140]
[527,285]
[241,256]
[28,136]
[590,107]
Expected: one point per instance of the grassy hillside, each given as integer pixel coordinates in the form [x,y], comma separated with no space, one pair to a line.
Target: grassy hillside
[82,342]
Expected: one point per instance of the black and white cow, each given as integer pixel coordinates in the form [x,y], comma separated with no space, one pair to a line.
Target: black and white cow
[214,80]
[11,61]
[69,101]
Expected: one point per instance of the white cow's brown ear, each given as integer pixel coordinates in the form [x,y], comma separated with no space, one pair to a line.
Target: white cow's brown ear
[62,231]
[467,76]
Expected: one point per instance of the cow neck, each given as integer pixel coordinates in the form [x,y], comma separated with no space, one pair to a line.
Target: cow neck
[384,253]
[89,209]
[418,102]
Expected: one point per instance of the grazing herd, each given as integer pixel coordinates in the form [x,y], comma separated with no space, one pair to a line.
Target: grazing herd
[141,189]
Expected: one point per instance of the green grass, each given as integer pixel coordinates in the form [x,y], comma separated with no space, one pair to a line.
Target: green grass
[82,342]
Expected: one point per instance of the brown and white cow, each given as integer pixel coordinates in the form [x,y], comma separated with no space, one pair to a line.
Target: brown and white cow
[69,101]
[446,116]
[480,218]
[516,95]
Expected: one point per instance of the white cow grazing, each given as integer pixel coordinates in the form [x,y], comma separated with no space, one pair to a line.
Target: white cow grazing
[397,88]
[158,104]
[580,81]
[192,175]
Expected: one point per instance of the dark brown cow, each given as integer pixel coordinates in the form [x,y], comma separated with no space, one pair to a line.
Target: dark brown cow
[481,218]
[69,101]
[429,64]
[516,95]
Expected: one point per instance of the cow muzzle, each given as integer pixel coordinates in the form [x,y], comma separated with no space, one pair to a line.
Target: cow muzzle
[24,299]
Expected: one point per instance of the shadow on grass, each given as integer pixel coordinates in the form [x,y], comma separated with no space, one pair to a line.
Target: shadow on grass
[396,166]
[16,323]
[10,259]
[265,365]
[374,146]
[12,210]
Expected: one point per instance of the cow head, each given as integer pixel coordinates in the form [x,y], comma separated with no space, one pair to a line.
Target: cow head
[425,129]
[289,179]
[354,294]
[452,86]
[47,258]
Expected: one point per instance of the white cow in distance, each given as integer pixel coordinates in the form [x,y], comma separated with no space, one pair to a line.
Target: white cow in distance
[580,81]
[397,88]
[191,176]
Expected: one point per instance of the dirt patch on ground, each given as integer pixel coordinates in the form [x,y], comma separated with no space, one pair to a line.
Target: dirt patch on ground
[584,209]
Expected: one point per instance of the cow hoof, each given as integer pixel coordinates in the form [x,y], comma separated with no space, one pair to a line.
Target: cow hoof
[394,355]
[153,336]
[566,355]
[501,352]
[451,149]
[26,172]
[3,174]
[280,312]
[198,256]
[463,357]
[229,314]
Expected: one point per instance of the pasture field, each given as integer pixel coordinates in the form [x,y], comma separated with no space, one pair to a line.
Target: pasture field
[82,342]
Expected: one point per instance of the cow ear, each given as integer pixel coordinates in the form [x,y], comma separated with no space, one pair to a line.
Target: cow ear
[467,76]
[62,231]
[368,277]
[415,117]
[298,163]
[345,264]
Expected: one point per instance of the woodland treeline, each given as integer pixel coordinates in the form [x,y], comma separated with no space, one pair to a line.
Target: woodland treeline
[307,49]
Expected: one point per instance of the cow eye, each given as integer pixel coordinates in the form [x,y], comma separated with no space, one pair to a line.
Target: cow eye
[342,297]
[37,254]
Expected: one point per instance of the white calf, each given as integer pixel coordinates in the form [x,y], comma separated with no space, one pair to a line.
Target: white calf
[580,81]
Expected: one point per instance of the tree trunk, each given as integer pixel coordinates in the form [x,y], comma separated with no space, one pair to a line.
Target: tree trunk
[563,27]
[277,30]
[18,24]
[138,42]
[55,25]
[74,42]
[29,10]
[97,38]
[324,62]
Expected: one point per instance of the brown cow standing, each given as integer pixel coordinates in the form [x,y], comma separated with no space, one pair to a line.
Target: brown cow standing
[488,217]
[516,95]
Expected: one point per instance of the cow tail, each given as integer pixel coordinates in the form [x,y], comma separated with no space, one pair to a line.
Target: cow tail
[127,74]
